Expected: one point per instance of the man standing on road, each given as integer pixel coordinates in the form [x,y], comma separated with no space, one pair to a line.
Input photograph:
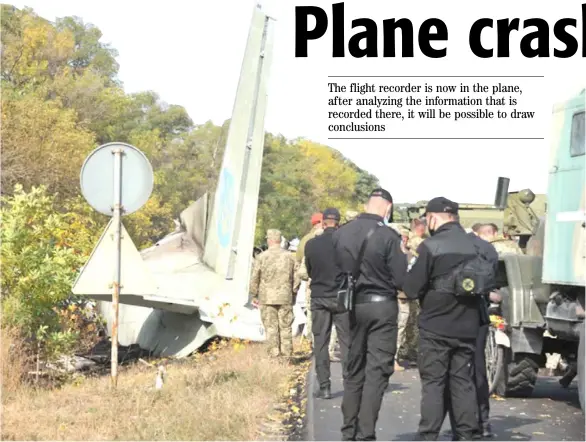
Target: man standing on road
[326,278]
[373,322]
[480,377]
[448,324]
[350,215]
[273,286]
[408,347]
[316,229]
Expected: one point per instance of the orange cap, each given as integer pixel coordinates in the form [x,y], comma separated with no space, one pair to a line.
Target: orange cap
[316,218]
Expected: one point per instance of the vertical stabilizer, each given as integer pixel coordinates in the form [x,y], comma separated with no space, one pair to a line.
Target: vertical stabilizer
[232,218]
[240,264]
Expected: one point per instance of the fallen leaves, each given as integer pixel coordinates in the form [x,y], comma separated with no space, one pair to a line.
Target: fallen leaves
[290,411]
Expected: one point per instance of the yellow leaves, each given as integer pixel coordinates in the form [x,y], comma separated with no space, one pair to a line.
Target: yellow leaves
[238,346]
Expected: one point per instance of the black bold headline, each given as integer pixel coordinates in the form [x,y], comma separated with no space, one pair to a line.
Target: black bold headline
[534,43]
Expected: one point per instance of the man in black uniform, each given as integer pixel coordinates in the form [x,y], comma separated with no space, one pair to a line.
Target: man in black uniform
[326,278]
[373,325]
[448,324]
[480,377]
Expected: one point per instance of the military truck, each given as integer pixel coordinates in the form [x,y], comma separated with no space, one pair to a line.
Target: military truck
[542,310]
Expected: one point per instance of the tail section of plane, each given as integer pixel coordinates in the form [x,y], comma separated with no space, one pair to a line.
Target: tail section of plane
[230,232]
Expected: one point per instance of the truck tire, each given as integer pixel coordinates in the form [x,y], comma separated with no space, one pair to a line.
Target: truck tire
[522,375]
[581,367]
[496,365]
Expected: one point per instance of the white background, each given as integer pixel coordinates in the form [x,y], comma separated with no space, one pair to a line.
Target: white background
[190,53]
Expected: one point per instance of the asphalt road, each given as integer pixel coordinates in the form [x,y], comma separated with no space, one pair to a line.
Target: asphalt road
[552,413]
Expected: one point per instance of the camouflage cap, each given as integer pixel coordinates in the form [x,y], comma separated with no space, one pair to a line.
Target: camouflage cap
[351,214]
[274,235]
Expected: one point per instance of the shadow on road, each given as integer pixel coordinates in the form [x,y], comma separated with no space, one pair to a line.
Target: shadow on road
[503,427]
[550,388]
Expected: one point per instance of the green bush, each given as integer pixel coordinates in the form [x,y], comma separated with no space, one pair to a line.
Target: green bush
[37,269]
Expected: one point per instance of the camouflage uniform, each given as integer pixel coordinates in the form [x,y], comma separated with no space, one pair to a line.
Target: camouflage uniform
[300,253]
[407,344]
[274,283]
[303,276]
[503,245]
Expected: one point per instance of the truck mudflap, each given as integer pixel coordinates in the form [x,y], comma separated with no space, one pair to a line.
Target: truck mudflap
[501,338]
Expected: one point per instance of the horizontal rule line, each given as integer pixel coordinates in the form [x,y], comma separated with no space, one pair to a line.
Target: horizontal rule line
[436,76]
[430,138]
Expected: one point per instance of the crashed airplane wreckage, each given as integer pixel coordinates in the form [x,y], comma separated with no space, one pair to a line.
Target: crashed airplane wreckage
[193,284]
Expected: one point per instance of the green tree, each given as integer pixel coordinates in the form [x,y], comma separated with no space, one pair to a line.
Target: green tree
[37,269]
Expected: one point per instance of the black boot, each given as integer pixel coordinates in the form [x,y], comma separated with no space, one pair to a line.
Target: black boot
[324,393]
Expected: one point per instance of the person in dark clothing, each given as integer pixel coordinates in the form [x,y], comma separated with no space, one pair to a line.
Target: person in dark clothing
[373,324]
[448,325]
[480,376]
[326,278]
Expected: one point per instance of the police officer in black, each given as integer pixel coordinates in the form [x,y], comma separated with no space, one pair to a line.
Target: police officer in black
[448,325]
[373,324]
[326,278]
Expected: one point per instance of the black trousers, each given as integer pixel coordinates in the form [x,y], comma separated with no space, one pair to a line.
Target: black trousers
[371,357]
[480,380]
[324,312]
[446,369]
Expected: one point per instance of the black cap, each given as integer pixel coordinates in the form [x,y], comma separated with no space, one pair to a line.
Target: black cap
[441,205]
[331,213]
[381,193]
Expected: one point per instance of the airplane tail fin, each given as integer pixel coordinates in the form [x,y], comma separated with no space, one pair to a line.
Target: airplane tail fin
[229,235]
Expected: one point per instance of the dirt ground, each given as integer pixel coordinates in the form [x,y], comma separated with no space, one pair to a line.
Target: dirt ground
[227,393]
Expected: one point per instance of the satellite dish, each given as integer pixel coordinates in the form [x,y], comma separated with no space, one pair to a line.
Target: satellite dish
[97,178]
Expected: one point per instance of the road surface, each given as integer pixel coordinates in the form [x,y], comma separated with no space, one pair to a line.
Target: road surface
[552,413]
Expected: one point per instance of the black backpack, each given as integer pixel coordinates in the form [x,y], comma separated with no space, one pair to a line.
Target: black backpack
[473,277]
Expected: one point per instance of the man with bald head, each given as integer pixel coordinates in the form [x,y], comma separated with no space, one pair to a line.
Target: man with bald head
[373,321]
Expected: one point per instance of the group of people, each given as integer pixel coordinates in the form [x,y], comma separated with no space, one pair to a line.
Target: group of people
[388,271]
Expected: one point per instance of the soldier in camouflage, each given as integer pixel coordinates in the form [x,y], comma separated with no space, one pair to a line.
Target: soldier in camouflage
[316,229]
[273,286]
[404,308]
[489,232]
[408,348]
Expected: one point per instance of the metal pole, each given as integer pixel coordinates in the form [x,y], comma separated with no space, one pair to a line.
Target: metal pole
[117,152]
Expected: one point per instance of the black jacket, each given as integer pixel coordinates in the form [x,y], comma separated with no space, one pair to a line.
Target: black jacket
[487,249]
[326,277]
[384,265]
[443,313]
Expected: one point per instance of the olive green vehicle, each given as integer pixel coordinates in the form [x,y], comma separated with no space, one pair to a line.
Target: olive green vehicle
[514,213]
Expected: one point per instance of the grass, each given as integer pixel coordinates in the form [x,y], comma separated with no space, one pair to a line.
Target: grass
[221,395]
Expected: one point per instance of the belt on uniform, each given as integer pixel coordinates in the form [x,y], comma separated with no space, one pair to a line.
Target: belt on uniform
[366,299]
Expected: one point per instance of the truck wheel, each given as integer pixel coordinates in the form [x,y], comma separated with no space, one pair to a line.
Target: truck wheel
[495,364]
[522,375]
[581,367]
